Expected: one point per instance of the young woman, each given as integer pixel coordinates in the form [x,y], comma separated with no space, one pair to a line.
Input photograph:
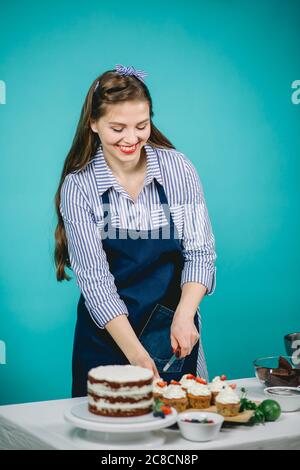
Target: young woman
[134,228]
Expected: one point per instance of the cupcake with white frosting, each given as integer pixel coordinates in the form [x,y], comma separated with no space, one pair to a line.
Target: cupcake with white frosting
[216,386]
[187,380]
[176,397]
[199,396]
[228,403]
[159,387]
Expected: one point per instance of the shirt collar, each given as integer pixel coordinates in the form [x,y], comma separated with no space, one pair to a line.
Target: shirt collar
[105,178]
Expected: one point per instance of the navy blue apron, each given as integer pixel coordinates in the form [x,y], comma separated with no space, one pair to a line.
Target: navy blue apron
[147,270]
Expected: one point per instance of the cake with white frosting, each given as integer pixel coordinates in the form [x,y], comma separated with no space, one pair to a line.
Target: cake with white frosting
[199,396]
[159,387]
[176,397]
[216,386]
[120,390]
[187,380]
[228,403]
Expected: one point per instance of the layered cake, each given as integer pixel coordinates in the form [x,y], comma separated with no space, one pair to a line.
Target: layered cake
[120,391]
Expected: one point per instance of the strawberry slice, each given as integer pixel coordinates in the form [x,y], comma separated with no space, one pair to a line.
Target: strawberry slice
[174,382]
[223,377]
[166,410]
[162,384]
[190,377]
[201,381]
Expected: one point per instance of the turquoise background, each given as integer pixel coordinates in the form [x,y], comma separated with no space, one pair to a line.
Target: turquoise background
[220,75]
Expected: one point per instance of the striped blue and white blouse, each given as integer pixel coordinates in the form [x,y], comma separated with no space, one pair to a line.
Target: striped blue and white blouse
[83,216]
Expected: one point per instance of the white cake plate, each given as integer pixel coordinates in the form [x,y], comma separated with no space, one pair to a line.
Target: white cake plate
[129,432]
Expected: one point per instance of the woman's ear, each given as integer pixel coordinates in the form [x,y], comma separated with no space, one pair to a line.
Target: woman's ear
[93,126]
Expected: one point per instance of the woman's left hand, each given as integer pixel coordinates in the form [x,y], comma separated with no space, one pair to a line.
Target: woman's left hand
[184,334]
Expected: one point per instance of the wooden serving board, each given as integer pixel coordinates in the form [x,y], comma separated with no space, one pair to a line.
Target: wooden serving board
[242,418]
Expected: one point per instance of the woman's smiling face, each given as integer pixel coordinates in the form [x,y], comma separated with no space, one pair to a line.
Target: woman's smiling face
[124,130]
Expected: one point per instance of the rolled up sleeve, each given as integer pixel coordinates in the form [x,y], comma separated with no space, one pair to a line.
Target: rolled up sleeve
[87,257]
[198,238]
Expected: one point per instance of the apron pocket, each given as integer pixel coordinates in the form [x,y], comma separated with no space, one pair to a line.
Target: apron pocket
[155,338]
[176,367]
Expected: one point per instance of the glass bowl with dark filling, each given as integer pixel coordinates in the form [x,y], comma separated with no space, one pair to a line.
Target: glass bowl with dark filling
[277,371]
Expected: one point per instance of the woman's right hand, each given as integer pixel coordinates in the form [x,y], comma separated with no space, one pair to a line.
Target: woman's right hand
[143,359]
[123,334]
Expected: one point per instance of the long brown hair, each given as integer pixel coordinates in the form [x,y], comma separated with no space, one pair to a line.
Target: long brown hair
[108,89]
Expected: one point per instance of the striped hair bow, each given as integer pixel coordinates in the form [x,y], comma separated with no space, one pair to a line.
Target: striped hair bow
[140,74]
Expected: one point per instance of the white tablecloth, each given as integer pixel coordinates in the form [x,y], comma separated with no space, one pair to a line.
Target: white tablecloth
[42,425]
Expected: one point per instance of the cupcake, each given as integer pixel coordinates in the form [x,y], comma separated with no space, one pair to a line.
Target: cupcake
[187,380]
[216,386]
[199,396]
[159,386]
[228,403]
[176,397]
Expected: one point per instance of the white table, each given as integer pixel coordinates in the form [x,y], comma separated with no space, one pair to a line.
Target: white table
[41,425]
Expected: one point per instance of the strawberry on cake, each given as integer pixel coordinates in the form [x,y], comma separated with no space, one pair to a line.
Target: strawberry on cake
[187,380]
[159,387]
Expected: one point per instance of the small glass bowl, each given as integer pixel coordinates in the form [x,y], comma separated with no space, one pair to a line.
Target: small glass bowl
[269,373]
